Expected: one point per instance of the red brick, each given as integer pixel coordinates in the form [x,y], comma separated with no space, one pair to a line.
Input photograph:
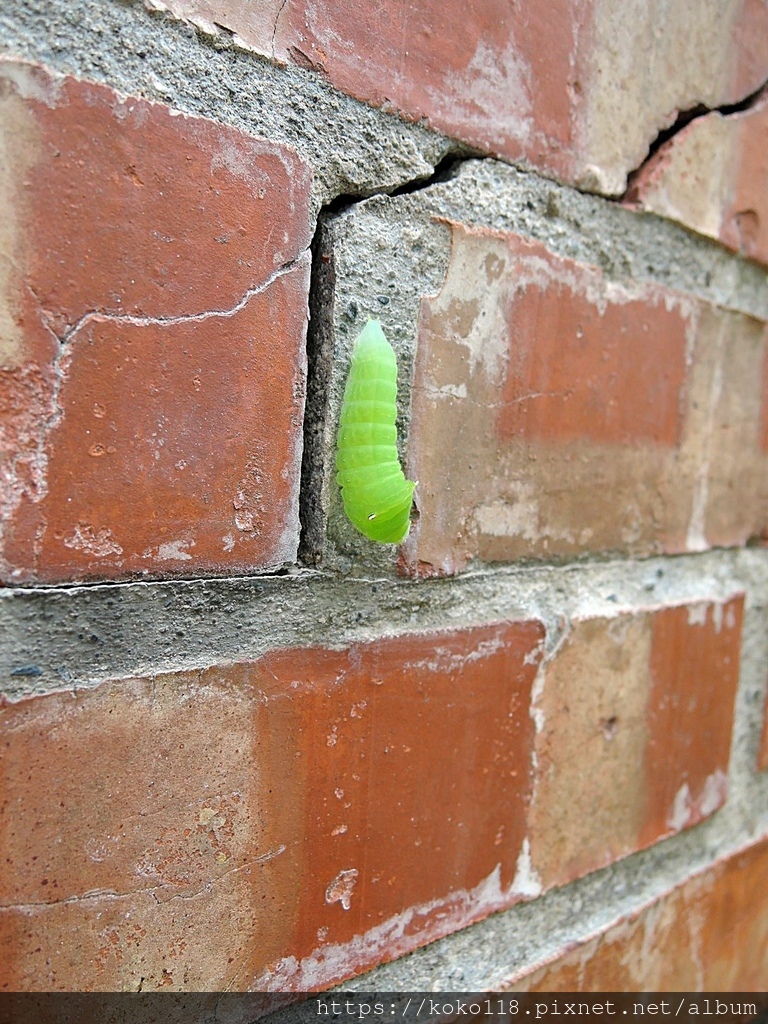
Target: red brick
[152,377]
[290,822]
[695,657]
[599,387]
[546,83]
[712,177]
[634,721]
[576,415]
[278,824]
[708,934]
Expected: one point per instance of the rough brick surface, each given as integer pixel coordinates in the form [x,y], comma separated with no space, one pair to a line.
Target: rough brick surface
[292,821]
[708,934]
[284,823]
[545,83]
[556,413]
[713,177]
[154,313]
[634,718]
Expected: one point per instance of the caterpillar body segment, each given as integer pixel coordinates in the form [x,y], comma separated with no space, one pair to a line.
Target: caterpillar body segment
[377,497]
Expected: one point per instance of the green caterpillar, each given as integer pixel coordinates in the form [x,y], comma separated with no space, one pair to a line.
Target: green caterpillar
[377,497]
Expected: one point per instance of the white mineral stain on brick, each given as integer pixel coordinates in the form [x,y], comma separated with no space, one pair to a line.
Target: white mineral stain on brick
[340,889]
[519,516]
[696,539]
[94,542]
[682,809]
[717,617]
[43,87]
[685,809]
[445,660]
[714,794]
[174,550]
[618,628]
[239,160]
[335,961]
[451,391]
[536,710]
[271,854]
[730,616]
[489,77]
[526,881]
[697,613]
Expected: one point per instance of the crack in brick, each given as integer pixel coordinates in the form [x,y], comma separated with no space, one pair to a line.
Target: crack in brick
[184,318]
[153,890]
[683,119]
[274,27]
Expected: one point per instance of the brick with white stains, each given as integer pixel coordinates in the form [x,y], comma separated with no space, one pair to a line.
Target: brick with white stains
[543,83]
[286,823]
[634,721]
[556,413]
[708,934]
[713,177]
[279,824]
[154,307]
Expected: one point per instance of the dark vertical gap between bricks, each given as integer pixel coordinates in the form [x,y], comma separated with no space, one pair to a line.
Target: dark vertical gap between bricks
[322,284]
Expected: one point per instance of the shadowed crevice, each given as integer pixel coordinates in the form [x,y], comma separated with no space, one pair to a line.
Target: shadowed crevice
[319,366]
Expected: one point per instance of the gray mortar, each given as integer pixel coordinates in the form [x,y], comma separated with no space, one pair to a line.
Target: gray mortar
[65,638]
[352,148]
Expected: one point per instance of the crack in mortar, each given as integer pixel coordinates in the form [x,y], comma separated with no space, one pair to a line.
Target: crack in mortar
[683,119]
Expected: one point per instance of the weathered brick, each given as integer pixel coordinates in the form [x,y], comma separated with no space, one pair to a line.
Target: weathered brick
[634,718]
[708,934]
[282,824]
[556,413]
[154,312]
[288,822]
[712,177]
[545,83]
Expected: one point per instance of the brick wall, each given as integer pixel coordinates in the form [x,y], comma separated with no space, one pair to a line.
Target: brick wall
[243,747]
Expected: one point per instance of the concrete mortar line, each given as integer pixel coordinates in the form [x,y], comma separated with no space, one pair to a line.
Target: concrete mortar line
[624,244]
[104,633]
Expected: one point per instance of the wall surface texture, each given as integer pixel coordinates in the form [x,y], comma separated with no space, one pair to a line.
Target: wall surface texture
[243,747]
